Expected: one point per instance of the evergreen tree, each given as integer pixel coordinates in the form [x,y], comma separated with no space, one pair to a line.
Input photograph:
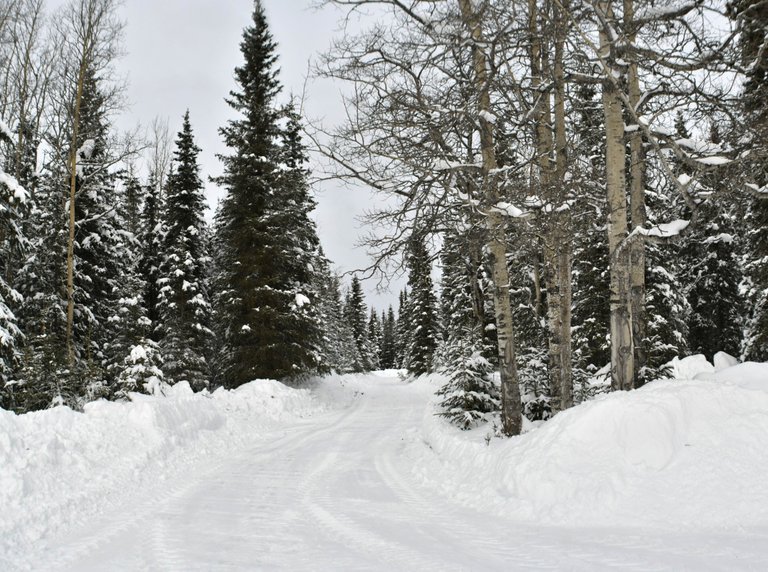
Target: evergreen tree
[356,315]
[267,321]
[462,306]
[470,394]
[422,306]
[42,315]
[667,307]
[591,311]
[388,339]
[100,251]
[711,272]
[375,339]
[150,240]
[752,16]
[137,366]
[531,335]
[338,344]
[403,332]
[183,303]
[13,198]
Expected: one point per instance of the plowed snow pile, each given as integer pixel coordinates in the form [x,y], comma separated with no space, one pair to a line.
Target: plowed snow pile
[59,466]
[677,453]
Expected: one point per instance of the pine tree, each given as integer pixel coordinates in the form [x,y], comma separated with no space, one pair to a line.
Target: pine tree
[137,365]
[667,307]
[100,249]
[42,313]
[12,200]
[591,311]
[470,394]
[183,303]
[711,272]
[375,339]
[753,19]
[389,339]
[423,322]
[403,332]
[150,241]
[356,315]
[338,343]
[266,318]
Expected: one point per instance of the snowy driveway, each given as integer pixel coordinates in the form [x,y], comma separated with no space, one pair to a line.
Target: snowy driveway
[334,493]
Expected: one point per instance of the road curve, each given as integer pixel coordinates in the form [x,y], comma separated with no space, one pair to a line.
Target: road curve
[334,493]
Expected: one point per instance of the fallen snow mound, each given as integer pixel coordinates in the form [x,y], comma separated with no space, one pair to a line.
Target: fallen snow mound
[676,453]
[59,466]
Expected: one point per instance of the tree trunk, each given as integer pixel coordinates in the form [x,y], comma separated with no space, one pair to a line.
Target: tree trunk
[511,406]
[557,243]
[638,216]
[622,347]
[563,239]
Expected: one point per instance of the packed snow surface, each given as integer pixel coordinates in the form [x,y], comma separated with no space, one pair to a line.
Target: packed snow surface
[357,472]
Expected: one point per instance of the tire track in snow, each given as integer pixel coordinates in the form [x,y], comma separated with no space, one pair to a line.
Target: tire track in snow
[326,509]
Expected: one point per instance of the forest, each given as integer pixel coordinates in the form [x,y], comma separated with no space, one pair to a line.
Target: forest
[589,177]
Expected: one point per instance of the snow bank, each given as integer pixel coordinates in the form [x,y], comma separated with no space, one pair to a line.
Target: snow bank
[676,453]
[60,466]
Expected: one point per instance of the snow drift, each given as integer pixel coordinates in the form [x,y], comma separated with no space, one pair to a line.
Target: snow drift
[676,453]
[59,466]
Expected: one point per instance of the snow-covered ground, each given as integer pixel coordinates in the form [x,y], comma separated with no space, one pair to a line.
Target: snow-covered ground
[356,472]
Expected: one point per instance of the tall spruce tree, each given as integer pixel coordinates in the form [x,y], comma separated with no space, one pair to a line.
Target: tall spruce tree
[183,304]
[264,304]
[424,324]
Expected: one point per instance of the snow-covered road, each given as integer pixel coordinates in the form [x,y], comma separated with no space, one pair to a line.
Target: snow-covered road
[335,492]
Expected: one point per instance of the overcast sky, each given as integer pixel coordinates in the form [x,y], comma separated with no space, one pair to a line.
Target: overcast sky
[182,54]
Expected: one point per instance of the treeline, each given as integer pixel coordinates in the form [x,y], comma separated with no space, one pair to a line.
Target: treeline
[592,175]
[113,282]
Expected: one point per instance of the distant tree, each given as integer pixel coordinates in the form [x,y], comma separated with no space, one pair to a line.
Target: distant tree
[375,338]
[356,315]
[403,331]
[338,344]
[422,306]
[389,339]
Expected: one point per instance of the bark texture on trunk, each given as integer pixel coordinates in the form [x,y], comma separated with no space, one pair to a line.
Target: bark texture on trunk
[622,346]
[511,406]
[638,215]
[552,164]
